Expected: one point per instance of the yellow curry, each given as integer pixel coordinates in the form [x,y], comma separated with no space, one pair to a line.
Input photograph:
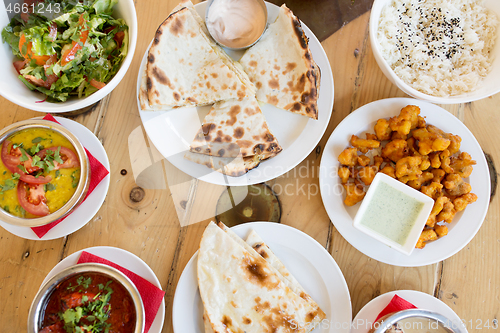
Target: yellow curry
[39,172]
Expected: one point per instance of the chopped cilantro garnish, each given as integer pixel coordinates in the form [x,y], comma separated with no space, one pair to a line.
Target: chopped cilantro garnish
[37,140]
[8,184]
[58,173]
[24,155]
[49,187]
[22,168]
[57,157]
[35,149]
[75,179]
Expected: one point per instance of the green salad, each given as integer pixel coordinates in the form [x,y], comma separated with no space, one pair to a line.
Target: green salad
[73,52]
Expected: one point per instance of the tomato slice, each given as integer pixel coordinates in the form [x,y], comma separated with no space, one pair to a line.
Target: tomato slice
[29,55]
[67,155]
[71,53]
[97,84]
[19,64]
[11,158]
[119,38]
[32,198]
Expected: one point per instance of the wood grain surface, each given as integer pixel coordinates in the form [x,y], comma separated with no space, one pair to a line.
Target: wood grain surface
[151,206]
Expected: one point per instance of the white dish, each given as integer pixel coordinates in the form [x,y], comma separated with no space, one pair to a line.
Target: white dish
[125,259]
[15,91]
[489,86]
[311,265]
[366,316]
[173,131]
[464,226]
[86,211]
[418,223]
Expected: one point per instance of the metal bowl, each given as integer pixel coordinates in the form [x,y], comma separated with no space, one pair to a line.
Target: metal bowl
[35,316]
[83,184]
[415,319]
[262,3]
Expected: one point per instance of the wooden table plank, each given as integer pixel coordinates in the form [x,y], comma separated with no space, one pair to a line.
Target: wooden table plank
[159,213]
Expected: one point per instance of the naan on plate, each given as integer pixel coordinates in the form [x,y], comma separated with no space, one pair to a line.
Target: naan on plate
[242,292]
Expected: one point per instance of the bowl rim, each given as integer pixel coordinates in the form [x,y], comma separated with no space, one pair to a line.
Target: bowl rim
[82,103]
[46,289]
[83,183]
[412,313]
[266,12]
[376,9]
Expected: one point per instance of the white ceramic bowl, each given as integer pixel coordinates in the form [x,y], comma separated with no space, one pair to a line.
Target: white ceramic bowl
[490,85]
[15,91]
[418,224]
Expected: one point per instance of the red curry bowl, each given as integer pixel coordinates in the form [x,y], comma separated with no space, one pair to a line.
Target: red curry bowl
[87,292]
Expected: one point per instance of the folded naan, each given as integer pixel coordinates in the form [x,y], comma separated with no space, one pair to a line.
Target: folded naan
[185,67]
[242,292]
[282,68]
[234,138]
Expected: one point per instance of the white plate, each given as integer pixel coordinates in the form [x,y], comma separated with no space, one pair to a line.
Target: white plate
[125,259]
[86,211]
[366,316]
[310,264]
[173,131]
[464,226]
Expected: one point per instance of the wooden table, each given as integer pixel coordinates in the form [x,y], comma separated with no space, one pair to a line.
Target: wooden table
[144,216]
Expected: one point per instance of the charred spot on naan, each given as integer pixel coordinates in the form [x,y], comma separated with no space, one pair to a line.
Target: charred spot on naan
[257,272]
[260,250]
[233,112]
[239,132]
[301,36]
[277,318]
[161,77]
[251,111]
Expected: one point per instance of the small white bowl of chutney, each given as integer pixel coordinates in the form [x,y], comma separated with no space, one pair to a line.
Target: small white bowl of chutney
[393,213]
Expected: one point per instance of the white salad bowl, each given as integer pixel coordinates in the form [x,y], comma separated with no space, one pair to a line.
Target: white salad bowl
[15,91]
[490,85]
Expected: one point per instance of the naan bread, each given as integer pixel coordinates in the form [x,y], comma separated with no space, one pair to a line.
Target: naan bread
[281,67]
[242,292]
[186,68]
[234,138]
[265,252]
[235,128]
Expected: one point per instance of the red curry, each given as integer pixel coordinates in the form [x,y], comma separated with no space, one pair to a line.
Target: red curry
[92,302]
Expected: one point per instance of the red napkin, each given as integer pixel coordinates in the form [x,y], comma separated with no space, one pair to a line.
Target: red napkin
[97,174]
[396,304]
[150,294]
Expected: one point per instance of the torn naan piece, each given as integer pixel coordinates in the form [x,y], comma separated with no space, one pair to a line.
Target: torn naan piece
[242,292]
[282,69]
[185,67]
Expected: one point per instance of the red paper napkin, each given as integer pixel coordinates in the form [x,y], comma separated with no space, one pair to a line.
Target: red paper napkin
[395,305]
[97,174]
[150,294]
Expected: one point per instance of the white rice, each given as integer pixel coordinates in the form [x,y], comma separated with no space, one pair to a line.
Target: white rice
[439,47]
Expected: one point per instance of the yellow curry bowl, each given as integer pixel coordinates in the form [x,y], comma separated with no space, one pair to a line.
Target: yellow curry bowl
[44,173]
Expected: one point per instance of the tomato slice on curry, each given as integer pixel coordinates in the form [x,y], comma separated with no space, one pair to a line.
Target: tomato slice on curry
[39,172]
